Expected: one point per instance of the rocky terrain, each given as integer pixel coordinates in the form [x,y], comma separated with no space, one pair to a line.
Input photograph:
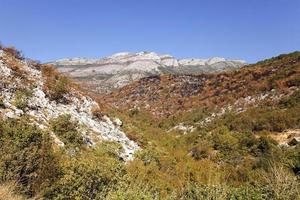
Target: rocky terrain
[23,94]
[167,95]
[231,134]
[105,74]
[213,95]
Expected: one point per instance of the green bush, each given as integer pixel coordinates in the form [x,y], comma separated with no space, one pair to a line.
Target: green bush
[26,156]
[21,98]
[225,141]
[278,183]
[201,150]
[127,191]
[60,88]
[276,118]
[292,158]
[56,86]
[194,191]
[291,101]
[67,131]
[90,176]
[265,144]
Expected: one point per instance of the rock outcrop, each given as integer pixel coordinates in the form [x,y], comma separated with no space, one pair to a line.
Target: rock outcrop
[42,110]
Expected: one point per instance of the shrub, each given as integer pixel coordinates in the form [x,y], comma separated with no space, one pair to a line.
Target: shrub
[132,191]
[294,82]
[14,52]
[274,118]
[194,191]
[292,156]
[225,142]
[60,88]
[202,150]
[278,183]
[291,101]
[56,86]
[265,145]
[26,156]
[90,176]
[67,131]
[21,98]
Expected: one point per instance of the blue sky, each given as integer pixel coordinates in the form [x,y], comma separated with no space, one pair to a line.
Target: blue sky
[241,29]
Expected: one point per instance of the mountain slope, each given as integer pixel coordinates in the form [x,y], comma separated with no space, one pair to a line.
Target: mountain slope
[43,95]
[167,95]
[118,70]
[231,135]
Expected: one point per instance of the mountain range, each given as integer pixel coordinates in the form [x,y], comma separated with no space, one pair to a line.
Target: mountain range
[105,74]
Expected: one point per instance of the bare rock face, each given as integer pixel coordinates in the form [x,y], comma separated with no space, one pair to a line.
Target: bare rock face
[42,110]
[105,74]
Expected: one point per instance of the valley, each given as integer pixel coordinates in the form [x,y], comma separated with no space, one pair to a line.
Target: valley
[225,134]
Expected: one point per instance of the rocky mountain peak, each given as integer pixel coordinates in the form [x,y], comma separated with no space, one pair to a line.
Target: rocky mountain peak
[115,71]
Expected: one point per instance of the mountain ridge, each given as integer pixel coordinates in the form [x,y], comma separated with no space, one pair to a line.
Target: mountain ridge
[120,69]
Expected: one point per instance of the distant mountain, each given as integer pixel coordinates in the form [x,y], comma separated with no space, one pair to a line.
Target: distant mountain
[103,75]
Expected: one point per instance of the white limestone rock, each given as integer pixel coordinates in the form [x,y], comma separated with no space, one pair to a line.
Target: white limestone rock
[117,70]
[44,110]
[118,122]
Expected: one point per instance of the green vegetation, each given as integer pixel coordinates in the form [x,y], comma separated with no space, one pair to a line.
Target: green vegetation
[56,86]
[233,157]
[275,117]
[60,88]
[220,161]
[88,176]
[67,131]
[21,98]
[26,156]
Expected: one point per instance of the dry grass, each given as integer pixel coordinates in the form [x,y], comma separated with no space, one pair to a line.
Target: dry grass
[282,183]
[7,192]
[13,52]
[15,65]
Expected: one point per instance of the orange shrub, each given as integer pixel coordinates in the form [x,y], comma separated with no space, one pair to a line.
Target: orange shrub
[14,52]
[55,85]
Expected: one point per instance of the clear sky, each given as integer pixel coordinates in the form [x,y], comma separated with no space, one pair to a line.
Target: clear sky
[241,29]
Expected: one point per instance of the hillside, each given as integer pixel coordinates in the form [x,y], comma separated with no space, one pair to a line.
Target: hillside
[189,102]
[237,129]
[39,93]
[167,95]
[105,74]
[227,135]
